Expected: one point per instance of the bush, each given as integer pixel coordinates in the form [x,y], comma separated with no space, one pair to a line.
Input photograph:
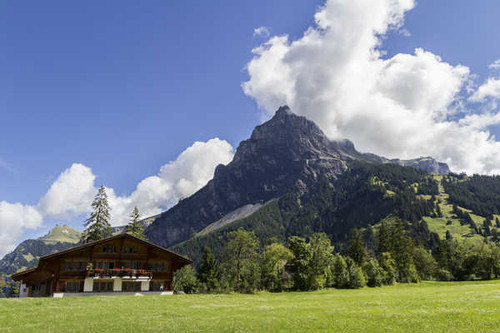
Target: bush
[443,275]
[185,280]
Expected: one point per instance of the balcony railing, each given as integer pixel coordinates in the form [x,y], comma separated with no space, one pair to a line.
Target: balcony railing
[119,273]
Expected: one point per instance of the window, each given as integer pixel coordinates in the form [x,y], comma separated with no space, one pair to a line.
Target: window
[105,265]
[103,286]
[133,265]
[72,286]
[130,249]
[159,267]
[131,286]
[109,249]
[74,266]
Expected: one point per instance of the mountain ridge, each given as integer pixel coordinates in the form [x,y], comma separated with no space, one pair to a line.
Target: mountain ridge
[286,152]
[28,252]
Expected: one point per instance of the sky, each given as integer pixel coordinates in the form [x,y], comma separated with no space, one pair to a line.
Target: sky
[147,98]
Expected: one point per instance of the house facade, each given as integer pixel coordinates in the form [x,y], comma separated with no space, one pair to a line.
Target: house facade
[121,264]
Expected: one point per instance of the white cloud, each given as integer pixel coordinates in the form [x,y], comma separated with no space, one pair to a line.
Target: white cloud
[192,169]
[15,218]
[490,89]
[71,193]
[261,31]
[405,106]
[495,65]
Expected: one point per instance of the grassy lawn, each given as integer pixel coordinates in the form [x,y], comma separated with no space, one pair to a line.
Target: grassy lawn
[425,307]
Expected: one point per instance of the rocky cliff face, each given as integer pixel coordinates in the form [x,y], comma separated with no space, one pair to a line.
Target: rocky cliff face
[427,164]
[286,152]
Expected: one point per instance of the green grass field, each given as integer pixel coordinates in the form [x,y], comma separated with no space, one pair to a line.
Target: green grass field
[425,307]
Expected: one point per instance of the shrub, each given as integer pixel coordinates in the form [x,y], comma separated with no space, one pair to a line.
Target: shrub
[185,280]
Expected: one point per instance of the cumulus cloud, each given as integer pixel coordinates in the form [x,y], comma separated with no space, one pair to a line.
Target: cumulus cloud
[261,31]
[72,192]
[192,169]
[490,89]
[495,65]
[15,218]
[405,106]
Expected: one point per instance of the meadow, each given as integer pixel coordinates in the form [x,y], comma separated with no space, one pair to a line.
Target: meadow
[424,307]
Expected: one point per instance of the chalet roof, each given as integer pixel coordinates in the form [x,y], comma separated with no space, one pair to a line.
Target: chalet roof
[21,273]
[101,241]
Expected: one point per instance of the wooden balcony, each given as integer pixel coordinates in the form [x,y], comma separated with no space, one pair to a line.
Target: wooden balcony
[118,273]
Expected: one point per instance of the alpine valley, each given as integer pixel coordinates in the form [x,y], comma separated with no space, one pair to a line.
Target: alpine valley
[289,179]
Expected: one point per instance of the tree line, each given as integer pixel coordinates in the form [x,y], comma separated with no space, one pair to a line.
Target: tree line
[311,264]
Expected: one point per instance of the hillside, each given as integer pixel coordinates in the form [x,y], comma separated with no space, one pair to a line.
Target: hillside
[26,254]
[363,196]
[287,153]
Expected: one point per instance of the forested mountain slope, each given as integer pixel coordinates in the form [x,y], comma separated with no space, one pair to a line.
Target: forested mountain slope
[288,153]
[363,196]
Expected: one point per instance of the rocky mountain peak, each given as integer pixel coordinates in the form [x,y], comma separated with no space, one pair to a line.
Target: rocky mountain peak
[286,153]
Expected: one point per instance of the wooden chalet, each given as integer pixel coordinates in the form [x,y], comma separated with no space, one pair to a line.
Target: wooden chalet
[119,264]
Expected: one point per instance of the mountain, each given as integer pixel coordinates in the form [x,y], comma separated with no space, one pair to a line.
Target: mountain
[286,153]
[432,207]
[26,254]
[427,164]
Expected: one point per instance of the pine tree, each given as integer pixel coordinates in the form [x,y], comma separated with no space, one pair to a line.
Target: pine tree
[97,225]
[389,271]
[356,276]
[487,229]
[300,264]
[384,238]
[208,273]
[402,250]
[357,248]
[135,226]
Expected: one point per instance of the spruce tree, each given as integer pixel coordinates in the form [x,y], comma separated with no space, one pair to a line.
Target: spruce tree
[389,271]
[208,273]
[384,238]
[357,248]
[356,276]
[97,225]
[300,265]
[135,226]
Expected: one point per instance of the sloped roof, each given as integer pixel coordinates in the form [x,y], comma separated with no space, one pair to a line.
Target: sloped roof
[104,240]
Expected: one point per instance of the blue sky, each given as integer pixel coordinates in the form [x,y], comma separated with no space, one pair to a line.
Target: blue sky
[124,87]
